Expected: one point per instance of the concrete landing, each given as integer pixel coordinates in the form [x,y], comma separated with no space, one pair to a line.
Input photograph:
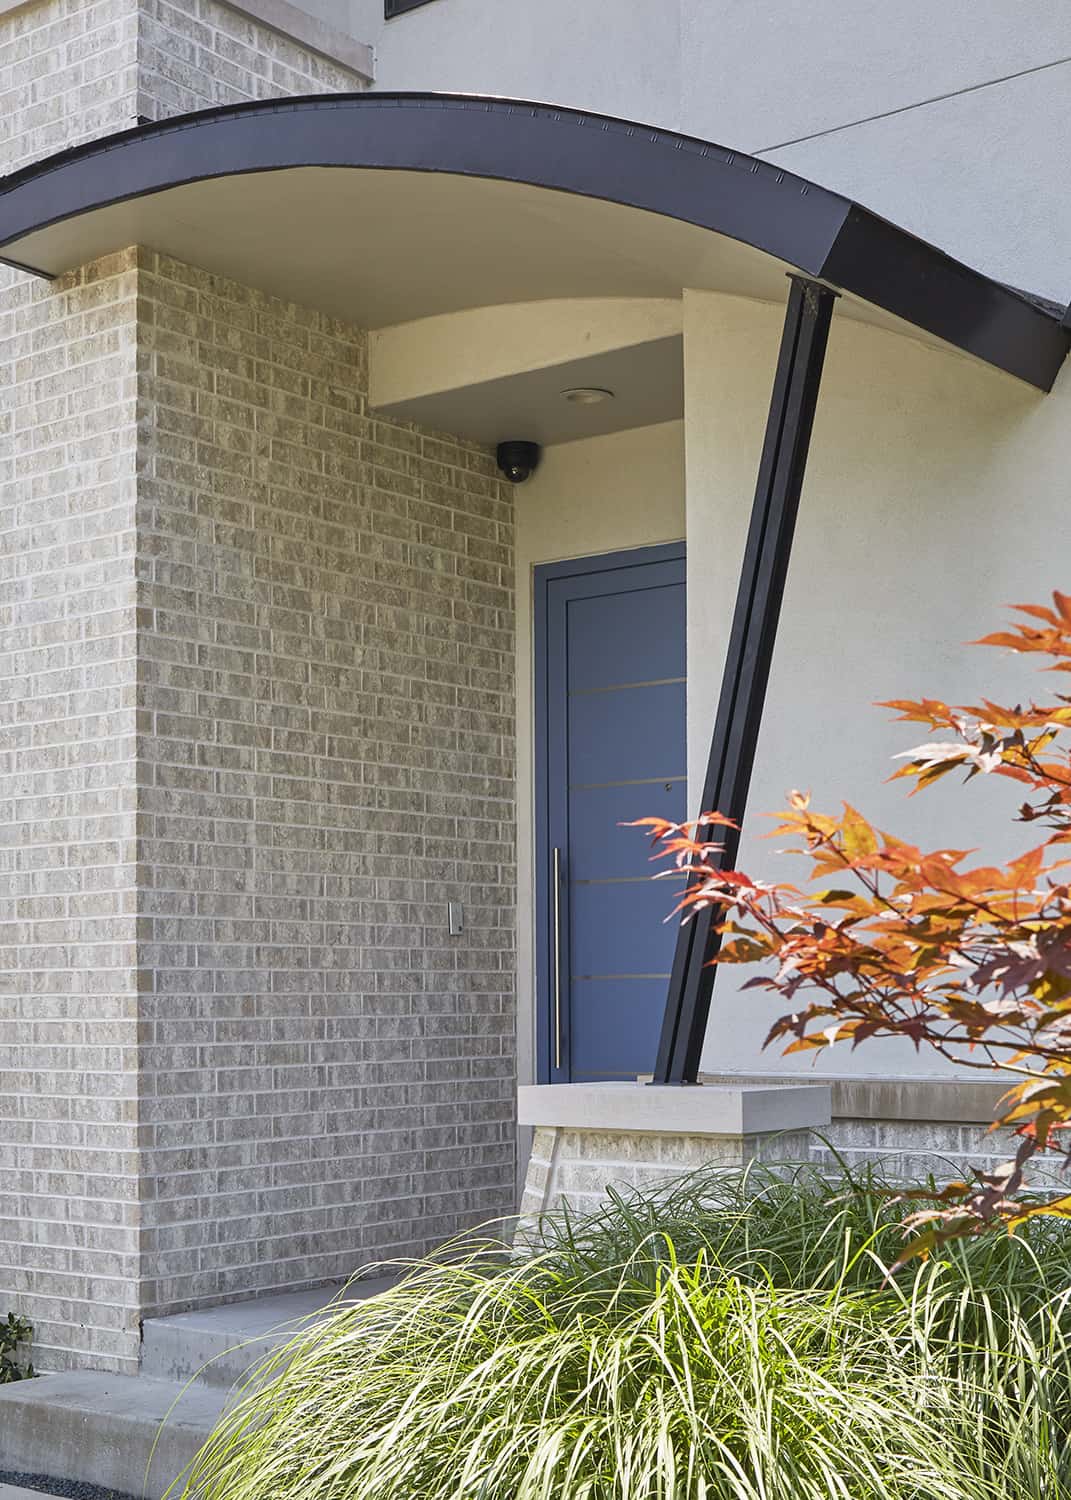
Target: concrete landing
[137,1434]
[218,1345]
[120,1432]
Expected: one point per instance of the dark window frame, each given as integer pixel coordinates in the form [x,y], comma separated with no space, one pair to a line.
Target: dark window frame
[392,8]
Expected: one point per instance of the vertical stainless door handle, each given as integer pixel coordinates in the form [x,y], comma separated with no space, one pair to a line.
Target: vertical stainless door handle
[557,978]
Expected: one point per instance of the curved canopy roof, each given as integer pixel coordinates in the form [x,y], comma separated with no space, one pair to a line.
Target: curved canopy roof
[454,201]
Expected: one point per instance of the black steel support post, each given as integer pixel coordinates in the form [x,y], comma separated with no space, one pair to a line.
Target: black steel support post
[747,665]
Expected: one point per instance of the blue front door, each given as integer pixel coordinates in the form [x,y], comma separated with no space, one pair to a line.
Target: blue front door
[610,670]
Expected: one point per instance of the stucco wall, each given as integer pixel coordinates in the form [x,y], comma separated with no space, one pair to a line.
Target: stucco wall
[588,497]
[625,63]
[951,120]
[936,493]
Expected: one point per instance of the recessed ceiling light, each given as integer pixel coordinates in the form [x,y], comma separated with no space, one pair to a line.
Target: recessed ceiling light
[587,395]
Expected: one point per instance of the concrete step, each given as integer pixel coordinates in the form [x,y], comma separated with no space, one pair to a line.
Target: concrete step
[136,1434]
[101,1430]
[11,1492]
[218,1345]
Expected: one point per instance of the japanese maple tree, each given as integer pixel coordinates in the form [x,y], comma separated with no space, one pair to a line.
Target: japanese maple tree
[972,960]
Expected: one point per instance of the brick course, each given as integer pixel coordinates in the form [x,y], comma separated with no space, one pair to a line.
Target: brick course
[73,70]
[68,73]
[913,1150]
[574,1168]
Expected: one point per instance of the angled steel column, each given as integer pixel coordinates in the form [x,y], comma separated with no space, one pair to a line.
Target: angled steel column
[751,644]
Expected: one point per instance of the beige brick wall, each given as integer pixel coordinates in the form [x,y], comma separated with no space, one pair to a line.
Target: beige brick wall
[68,73]
[194,54]
[68,1002]
[573,1168]
[913,1150]
[73,70]
[327,759]
[288,1067]
[300,990]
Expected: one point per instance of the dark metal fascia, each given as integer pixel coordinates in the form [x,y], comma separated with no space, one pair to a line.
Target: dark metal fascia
[819,233]
[540,145]
[913,280]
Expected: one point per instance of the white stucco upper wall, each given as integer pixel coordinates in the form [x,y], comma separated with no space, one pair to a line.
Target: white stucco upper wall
[773,73]
[951,120]
[618,56]
[982,174]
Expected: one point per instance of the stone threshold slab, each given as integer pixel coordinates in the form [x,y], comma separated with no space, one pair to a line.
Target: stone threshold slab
[703,1109]
[954,1101]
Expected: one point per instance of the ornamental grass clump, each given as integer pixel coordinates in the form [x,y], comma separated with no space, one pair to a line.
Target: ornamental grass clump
[735,1337]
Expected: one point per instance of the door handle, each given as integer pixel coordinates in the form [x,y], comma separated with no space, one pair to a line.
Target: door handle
[557,978]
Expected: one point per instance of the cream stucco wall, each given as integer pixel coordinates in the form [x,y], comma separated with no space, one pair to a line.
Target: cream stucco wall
[972,94]
[599,495]
[479,344]
[937,492]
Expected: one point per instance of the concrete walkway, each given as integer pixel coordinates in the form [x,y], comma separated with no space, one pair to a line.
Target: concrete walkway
[119,1432]
[10,1492]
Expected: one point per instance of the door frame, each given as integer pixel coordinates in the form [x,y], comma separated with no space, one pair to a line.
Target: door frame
[549,809]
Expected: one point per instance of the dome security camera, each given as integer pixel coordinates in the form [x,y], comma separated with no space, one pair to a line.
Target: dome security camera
[519,460]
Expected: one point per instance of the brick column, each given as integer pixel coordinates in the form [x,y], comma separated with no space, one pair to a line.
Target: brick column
[256,730]
[69,1214]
